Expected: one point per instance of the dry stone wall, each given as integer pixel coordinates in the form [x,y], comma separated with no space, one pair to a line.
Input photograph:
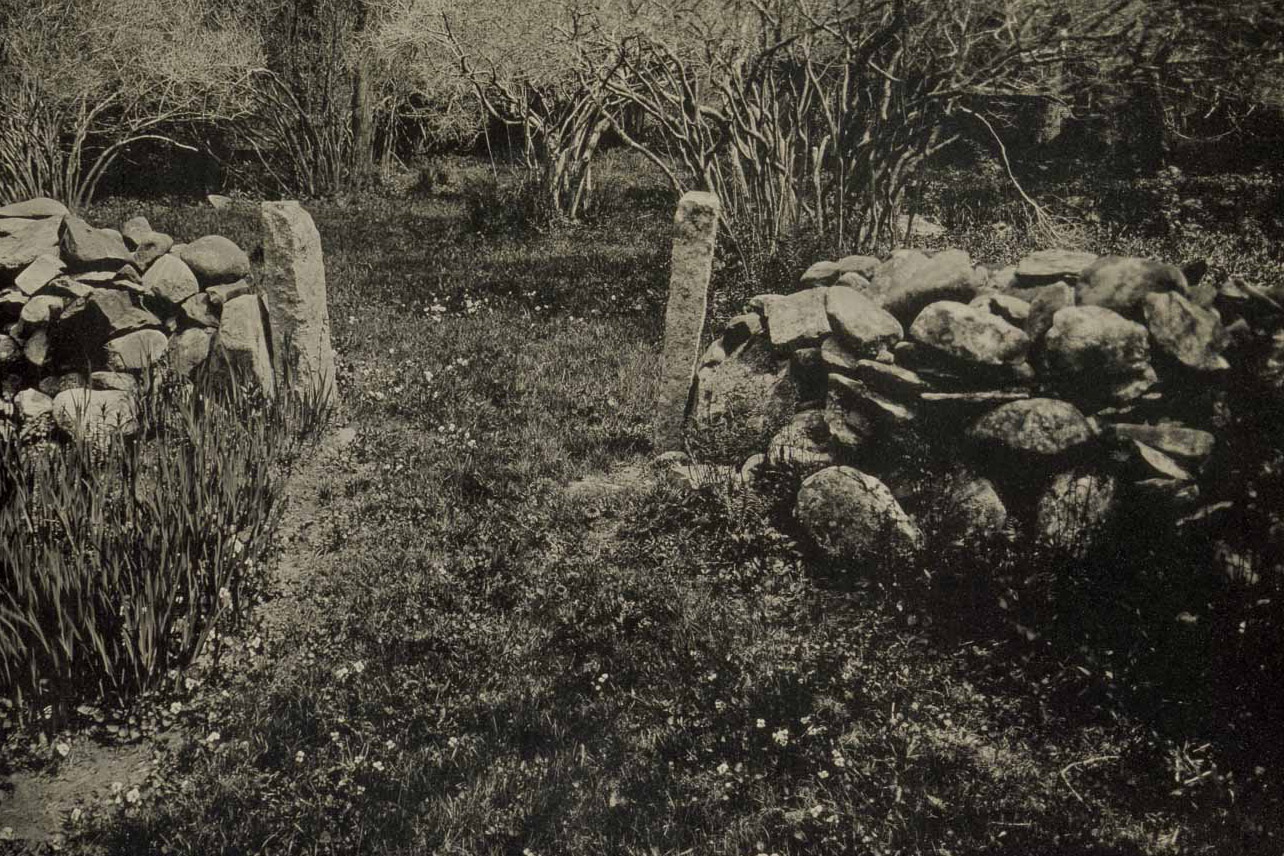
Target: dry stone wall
[1054,395]
[86,314]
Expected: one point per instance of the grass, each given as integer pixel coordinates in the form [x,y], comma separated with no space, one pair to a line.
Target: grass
[493,664]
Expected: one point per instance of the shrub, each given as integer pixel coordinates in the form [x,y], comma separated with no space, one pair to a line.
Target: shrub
[497,208]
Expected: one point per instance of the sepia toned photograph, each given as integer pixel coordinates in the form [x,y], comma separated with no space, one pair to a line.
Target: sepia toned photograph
[642,427]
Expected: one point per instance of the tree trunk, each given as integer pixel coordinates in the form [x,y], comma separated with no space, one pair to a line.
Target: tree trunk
[362,123]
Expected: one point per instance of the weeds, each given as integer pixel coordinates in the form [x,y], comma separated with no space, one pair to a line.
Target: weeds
[121,556]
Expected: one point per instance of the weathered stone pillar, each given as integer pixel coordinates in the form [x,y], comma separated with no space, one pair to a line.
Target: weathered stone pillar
[695,226]
[292,285]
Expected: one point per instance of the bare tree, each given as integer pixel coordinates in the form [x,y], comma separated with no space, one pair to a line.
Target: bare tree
[80,84]
[820,113]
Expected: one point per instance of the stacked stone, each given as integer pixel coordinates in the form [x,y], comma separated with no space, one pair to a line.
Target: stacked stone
[1072,383]
[86,314]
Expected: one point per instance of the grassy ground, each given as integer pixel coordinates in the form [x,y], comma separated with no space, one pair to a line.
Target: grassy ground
[487,662]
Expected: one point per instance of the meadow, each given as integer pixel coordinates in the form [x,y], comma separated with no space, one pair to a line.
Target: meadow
[509,637]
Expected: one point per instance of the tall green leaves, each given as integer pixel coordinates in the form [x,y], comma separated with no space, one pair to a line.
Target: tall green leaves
[118,559]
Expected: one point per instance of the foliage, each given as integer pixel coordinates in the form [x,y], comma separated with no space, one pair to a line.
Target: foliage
[120,558]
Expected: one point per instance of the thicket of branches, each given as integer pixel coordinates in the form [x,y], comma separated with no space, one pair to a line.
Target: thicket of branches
[801,114]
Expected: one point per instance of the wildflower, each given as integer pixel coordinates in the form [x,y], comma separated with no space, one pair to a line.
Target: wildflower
[823,774]
[761,723]
[359,666]
[341,673]
[133,795]
[62,749]
[378,765]
[390,745]
[176,708]
[723,769]
[781,737]
[334,735]
[224,594]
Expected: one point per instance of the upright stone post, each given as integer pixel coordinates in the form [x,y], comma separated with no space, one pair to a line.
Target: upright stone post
[695,226]
[293,289]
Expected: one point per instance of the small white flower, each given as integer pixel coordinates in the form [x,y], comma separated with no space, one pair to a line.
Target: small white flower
[781,737]
[378,765]
[133,796]
[761,723]
[299,756]
[723,769]
[62,749]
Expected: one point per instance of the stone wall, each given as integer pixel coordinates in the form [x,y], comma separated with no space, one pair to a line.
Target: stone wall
[1052,396]
[87,313]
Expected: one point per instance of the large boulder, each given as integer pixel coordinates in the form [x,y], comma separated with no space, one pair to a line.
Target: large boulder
[1045,303]
[907,283]
[215,259]
[797,320]
[1041,428]
[860,324]
[87,324]
[292,284]
[170,281]
[849,429]
[804,442]
[750,388]
[34,209]
[150,247]
[135,352]
[1095,340]
[135,231]
[188,350]
[861,265]
[973,510]
[1186,333]
[36,349]
[821,273]
[859,398]
[38,274]
[201,310]
[1074,509]
[240,351]
[84,247]
[1190,444]
[27,241]
[1121,283]
[851,514]
[95,415]
[41,309]
[969,334]
[889,379]
[1011,309]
